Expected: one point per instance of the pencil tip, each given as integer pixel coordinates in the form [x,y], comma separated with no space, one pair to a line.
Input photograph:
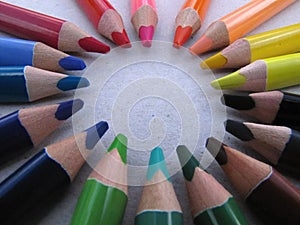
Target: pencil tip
[94,134]
[188,162]
[72,63]
[120,143]
[146,35]
[68,108]
[121,39]
[91,44]
[157,162]
[240,130]
[72,82]
[182,35]
[215,147]
[204,44]
[231,81]
[216,61]
[239,102]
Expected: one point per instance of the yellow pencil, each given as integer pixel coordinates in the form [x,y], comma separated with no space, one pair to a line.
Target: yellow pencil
[264,75]
[273,43]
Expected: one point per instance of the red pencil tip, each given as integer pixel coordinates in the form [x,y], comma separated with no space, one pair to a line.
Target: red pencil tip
[146,35]
[182,35]
[91,44]
[121,39]
[204,44]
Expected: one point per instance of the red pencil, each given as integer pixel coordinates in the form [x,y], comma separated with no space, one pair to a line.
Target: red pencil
[52,31]
[106,20]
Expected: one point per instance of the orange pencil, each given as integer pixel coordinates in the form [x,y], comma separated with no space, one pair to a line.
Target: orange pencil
[238,23]
[189,19]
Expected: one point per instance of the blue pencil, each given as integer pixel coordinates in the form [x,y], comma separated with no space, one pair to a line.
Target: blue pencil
[46,173]
[28,127]
[18,52]
[28,84]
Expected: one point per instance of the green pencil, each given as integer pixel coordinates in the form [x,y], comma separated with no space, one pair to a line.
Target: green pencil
[104,196]
[158,204]
[211,203]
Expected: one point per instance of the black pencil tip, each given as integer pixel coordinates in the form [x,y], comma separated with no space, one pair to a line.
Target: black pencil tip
[239,102]
[238,129]
[68,108]
[216,148]
[94,134]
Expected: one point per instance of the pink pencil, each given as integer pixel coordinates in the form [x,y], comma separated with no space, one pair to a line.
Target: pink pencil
[144,19]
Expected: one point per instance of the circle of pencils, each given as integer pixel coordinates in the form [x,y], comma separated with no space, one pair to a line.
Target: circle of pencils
[272,196]
[211,203]
[104,196]
[50,170]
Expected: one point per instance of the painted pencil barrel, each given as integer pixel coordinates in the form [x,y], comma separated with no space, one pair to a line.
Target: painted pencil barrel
[159,217]
[33,181]
[99,205]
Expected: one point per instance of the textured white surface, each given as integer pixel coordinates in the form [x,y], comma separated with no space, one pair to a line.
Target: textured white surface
[158,97]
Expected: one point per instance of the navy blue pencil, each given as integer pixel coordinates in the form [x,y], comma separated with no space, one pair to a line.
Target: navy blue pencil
[28,84]
[28,127]
[46,173]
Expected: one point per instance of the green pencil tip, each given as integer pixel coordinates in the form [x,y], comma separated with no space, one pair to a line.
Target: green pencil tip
[188,162]
[157,162]
[231,81]
[120,143]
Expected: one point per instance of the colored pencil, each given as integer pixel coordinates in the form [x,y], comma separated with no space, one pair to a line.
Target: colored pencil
[16,52]
[104,198]
[271,195]
[158,204]
[263,75]
[273,43]
[278,144]
[28,127]
[28,84]
[210,202]
[189,20]
[273,107]
[53,168]
[55,32]
[144,19]
[106,20]
[238,23]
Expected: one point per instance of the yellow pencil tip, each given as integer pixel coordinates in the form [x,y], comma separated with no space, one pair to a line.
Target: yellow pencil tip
[216,61]
[231,81]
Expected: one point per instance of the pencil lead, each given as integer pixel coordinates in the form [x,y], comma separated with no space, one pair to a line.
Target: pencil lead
[188,162]
[68,108]
[239,102]
[215,147]
[182,35]
[94,134]
[216,61]
[233,80]
[204,44]
[157,162]
[239,130]
[146,35]
[72,82]
[91,44]
[121,39]
[120,143]
[72,63]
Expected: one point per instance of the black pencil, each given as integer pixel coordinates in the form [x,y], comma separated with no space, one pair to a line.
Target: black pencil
[45,173]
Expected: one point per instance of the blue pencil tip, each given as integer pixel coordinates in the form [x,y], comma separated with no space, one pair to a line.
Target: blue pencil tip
[68,108]
[72,63]
[156,163]
[72,82]
[94,134]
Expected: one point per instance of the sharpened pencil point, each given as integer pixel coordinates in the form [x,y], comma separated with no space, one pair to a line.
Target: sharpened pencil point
[94,134]
[146,35]
[157,162]
[204,44]
[91,44]
[215,62]
[68,108]
[121,39]
[230,81]
[72,82]
[182,35]
[239,130]
[215,147]
[120,143]
[72,63]
[188,162]
[239,102]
